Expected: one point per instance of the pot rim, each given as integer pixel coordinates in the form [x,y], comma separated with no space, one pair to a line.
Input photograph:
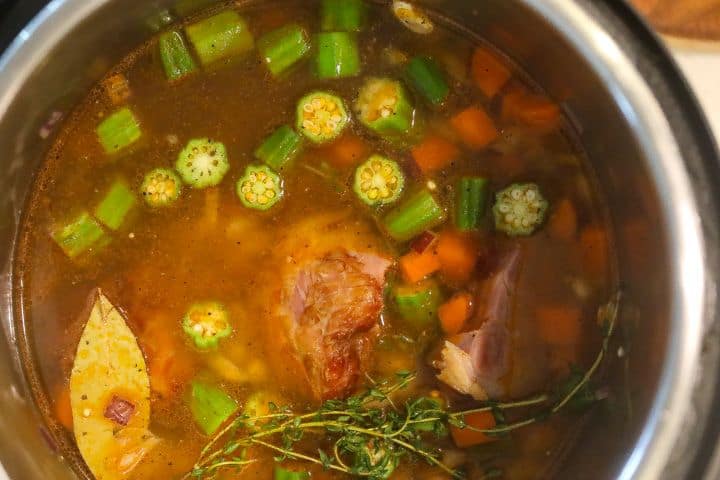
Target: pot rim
[654,134]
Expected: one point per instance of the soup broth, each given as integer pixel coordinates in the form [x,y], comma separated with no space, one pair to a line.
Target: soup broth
[466,229]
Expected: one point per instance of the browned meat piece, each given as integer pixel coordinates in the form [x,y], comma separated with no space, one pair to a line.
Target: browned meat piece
[478,359]
[335,304]
[324,303]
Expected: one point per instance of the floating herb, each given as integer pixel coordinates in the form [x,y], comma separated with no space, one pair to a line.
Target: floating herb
[371,433]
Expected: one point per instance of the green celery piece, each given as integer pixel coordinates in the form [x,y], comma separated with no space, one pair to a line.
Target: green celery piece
[280,148]
[337,55]
[413,216]
[220,36]
[78,236]
[210,406]
[282,474]
[427,78]
[175,56]
[342,15]
[284,47]
[119,130]
[470,202]
[419,303]
[113,209]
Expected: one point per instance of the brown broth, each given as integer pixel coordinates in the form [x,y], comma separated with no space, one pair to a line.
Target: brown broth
[209,246]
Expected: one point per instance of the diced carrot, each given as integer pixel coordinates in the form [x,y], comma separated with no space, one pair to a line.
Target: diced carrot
[489,73]
[559,325]
[434,153]
[594,248]
[63,408]
[416,266]
[530,109]
[466,437]
[455,312]
[168,369]
[347,151]
[475,128]
[458,255]
[563,221]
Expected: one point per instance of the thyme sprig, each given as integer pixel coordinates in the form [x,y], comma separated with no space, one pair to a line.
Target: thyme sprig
[368,434]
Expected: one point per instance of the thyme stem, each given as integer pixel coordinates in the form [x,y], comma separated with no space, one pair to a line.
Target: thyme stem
[371,433]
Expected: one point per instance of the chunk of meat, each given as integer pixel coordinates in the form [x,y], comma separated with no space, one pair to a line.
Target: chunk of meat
[477,360]
[324,318]
[336,303]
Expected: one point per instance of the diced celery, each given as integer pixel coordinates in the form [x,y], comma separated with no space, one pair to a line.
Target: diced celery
[337,55]
[119,130]
[115,206]
[220,36]
[470,200]
[280,148]
[427,78]
[79,236]
[210,406]
[342,15]
[284,47]
[175,56]
[282,474]
[413,216]
[419,303]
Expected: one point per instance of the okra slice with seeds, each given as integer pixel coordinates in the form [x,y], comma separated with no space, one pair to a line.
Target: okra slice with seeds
[221,36]
[428,79]
[384,107]
[379,181]
[419,212]
[161,187]
[321,116]
[342,15]
[206,323]
[115,206]
[519,209]
[79,236]
[202,163]
[284,47]
[260,188]
[118,131]
[337,55]
[176,58]
[280,148]
[470,199]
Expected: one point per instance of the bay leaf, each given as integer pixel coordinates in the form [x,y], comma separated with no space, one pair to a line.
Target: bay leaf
[109,365]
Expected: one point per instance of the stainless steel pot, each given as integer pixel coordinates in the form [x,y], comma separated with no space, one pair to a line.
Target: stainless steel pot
[653,156]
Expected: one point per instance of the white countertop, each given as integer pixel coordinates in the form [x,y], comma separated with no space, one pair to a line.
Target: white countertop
[700,62]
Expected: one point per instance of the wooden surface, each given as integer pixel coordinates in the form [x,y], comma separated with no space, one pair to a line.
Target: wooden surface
[688,18]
